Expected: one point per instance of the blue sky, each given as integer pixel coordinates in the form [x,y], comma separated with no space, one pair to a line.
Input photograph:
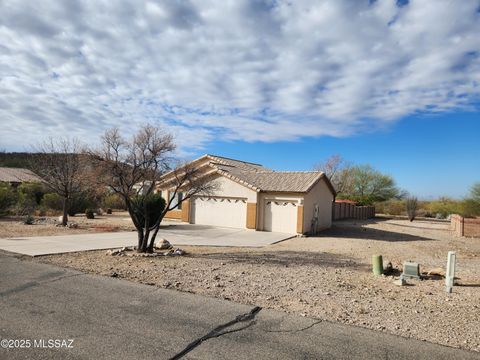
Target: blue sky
[395,84]
[428,155]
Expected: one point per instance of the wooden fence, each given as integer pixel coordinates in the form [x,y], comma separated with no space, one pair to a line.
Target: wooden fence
[342,210]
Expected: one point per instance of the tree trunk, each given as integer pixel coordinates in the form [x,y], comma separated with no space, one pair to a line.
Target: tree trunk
[152,239]
[65,211]
[140,240]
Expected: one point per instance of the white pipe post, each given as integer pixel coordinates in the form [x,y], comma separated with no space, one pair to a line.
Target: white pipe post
[450,274]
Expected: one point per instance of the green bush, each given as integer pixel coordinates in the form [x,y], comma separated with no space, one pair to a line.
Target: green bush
[52,201]
[32,191]
[80,203]
[8,198]
[29,220]
[444,207]
[469,208]
[90,214]
[114,201]
[154,205]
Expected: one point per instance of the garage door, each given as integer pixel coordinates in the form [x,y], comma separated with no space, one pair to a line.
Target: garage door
[280,216]
[219,211]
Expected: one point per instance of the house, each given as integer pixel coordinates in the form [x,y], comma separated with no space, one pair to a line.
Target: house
[16,176]
[250,196]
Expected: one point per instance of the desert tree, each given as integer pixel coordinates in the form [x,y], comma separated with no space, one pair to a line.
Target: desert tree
[368,185]
[134,167]
[59,163]
[411,204]
[338,171]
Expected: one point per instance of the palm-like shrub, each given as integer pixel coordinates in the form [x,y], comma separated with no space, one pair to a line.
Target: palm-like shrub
[411,204]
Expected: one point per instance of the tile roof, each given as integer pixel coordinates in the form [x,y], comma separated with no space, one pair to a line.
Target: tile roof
[260,178]
[17,175]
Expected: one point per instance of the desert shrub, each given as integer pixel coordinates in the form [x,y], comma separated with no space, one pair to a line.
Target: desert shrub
[114,201]
[154,204]
[80,203]
[469,208]
[8,198]
[52,201]
[390,207]
[444,207]
[90,214]
[32,191]
[29,220]
[411,204]
[25,204]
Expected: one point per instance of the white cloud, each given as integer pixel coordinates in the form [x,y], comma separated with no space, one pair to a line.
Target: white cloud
[253,70]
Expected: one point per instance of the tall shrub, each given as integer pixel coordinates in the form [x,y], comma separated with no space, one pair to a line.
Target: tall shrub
[7,198]
[411,203]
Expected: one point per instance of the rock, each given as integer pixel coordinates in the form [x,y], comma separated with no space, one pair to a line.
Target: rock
[400,282]
[437,271]
[72,225]
[179,252]
[163,244]
[114,274]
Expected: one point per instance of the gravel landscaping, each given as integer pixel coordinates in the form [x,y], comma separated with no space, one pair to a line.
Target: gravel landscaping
[327,277]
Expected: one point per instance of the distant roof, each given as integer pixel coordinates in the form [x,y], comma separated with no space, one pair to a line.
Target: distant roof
[345,201]
[18,175]
[263,179]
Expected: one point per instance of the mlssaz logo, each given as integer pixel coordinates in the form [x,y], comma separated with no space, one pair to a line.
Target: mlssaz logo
[53,343]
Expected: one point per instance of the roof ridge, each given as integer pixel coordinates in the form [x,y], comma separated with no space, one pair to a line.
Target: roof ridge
[227,158]
[283,172]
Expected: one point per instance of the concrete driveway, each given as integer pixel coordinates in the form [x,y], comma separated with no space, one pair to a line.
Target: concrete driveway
[177,233]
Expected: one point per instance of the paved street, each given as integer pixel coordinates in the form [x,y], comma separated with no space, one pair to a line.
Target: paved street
[177,233]
[108,318]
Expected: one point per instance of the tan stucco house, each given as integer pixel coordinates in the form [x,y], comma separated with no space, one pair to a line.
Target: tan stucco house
[250,196]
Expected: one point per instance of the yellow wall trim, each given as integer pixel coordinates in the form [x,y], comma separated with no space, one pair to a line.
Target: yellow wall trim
[186,210]
[251,215]
[300,219]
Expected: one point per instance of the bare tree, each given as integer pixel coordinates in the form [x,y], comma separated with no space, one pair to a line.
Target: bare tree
[133,168]
[59,163]
[337,170]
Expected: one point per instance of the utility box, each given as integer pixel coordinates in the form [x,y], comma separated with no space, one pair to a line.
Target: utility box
[411,270]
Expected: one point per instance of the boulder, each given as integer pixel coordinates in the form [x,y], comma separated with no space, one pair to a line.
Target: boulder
[163,244]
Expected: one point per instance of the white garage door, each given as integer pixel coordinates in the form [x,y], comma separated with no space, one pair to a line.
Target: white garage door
[280,216]
[219,211]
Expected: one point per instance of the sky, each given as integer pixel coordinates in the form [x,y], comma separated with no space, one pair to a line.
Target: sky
[395,84]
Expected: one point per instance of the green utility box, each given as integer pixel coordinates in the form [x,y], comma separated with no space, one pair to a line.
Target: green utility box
[411,270]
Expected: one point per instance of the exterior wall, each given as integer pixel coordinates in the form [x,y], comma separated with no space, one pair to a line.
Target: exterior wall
[225,188]
[320,194]
[465,226]
[263,197]
[229,188]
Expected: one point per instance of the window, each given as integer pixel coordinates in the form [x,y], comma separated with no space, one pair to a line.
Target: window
[177,201]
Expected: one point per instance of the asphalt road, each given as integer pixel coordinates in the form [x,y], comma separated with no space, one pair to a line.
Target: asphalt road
[108,318]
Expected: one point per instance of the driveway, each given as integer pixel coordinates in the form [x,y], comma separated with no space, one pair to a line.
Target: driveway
[109,318]
[179,234]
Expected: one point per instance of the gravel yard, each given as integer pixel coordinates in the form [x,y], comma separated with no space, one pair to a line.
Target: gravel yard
[44,226]
[327,277]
